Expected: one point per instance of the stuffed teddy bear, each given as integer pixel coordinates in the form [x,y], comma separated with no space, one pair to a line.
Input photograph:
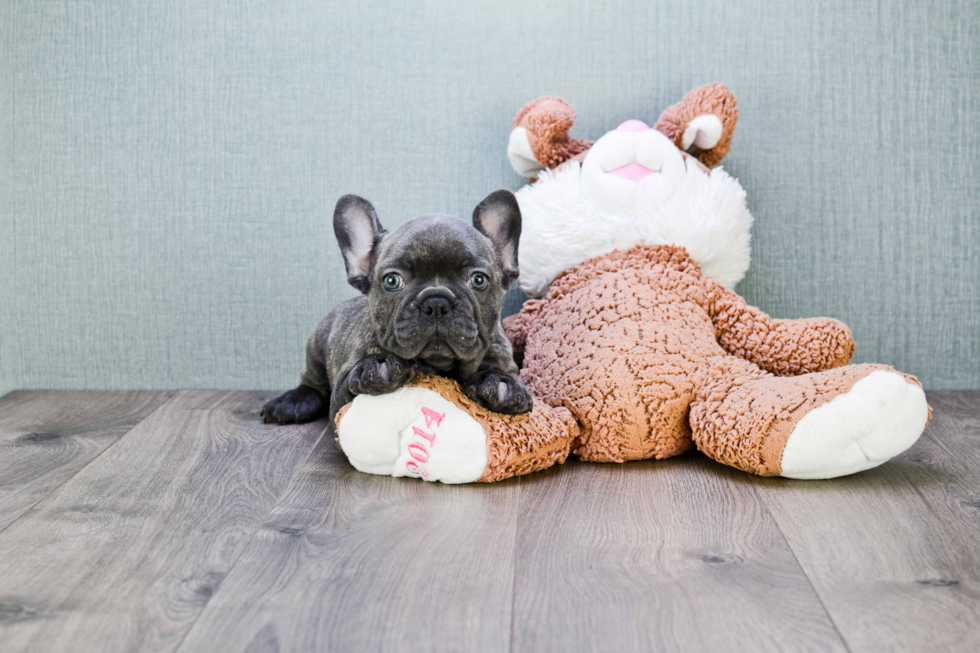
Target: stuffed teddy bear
[634,345]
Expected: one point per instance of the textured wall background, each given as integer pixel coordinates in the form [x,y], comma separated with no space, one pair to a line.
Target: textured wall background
[168,169]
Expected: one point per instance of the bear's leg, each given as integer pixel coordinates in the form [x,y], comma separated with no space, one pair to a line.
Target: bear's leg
[819,425]
[430,430]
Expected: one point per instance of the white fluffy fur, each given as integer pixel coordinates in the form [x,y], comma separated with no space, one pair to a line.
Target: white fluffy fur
[520,154]
[704,131]
[706,214]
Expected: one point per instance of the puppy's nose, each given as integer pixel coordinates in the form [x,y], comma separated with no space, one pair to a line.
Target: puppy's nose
[436,306]
[436,301]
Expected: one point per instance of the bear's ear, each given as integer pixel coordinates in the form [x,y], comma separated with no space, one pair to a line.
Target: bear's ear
[540,139]
[702,123]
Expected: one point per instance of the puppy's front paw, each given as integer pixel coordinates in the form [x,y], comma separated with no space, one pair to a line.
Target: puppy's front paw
[380,374]
[500,392]
[299,405]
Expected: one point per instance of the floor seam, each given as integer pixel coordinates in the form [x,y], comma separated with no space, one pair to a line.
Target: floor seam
[251,537]
[50,492]
[513,584]
[802,570]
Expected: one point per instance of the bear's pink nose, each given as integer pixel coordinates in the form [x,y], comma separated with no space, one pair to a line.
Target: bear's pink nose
[633,126]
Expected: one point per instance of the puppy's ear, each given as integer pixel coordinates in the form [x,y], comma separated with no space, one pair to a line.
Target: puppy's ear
[358,231]
[498,217]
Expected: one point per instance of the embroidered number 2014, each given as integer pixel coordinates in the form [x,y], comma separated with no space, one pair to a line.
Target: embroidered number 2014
[424,441]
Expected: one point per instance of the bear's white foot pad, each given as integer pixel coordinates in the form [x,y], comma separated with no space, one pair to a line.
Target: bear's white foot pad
[413,432]
[881,416]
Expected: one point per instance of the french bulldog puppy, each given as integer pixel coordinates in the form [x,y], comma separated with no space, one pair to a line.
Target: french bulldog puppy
[433,290]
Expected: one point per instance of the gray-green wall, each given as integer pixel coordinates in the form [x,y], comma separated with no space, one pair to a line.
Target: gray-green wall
[168,169]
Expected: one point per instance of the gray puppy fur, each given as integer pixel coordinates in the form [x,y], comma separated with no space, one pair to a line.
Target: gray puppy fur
[433,290]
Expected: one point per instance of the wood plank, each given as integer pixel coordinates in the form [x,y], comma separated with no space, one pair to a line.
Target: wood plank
[666,555]
[126,554]
[353,562]
[894,553]
[46,437]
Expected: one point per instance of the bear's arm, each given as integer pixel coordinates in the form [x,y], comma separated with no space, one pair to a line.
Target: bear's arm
[782,347]
[519,325]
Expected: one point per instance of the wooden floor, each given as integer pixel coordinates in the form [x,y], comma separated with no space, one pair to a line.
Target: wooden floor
[159,521]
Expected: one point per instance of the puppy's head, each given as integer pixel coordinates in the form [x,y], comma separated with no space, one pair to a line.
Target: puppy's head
[435,285]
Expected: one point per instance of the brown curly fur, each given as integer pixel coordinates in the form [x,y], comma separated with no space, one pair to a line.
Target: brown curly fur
[548,121]
[710,98]
[652,359]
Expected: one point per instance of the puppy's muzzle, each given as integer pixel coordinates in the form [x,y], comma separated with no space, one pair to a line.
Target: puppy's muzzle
[436,302]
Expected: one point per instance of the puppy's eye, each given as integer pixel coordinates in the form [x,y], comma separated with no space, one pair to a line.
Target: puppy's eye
[479,281]
[393,281]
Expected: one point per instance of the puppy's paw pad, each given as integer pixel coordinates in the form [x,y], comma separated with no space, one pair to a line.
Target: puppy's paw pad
[413,432]
[500,392]
[380,374]
[296,406]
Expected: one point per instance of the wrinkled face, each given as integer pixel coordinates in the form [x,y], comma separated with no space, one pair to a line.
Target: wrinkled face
[436,291]
[631,168]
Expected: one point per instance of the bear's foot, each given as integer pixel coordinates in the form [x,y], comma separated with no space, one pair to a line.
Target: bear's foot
[413,431]
[430,430]
[881,416]
[818,425]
